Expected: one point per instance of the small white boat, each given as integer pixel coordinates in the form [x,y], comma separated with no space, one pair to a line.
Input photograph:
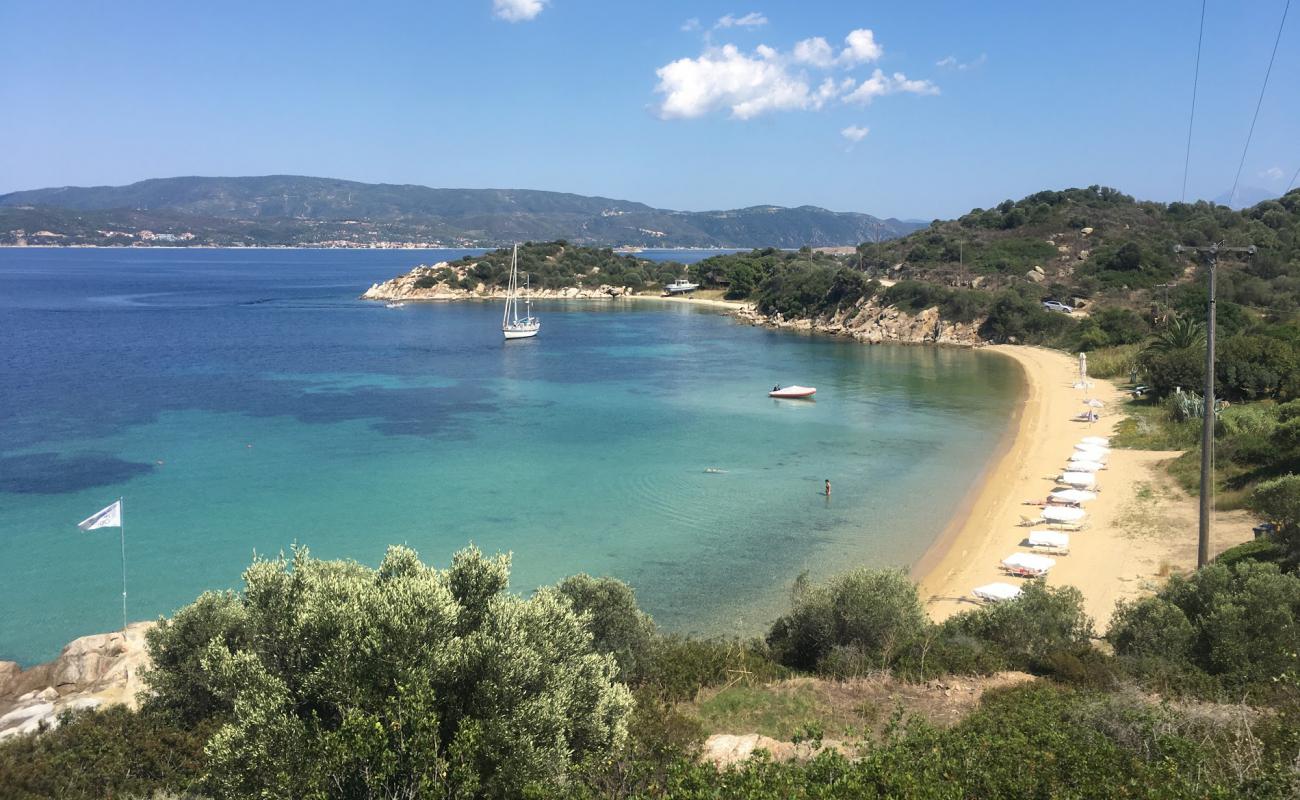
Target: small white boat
[792,392]
[681,286]
[514,326]
[394,305]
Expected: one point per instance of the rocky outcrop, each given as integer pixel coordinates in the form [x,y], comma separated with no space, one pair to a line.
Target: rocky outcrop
[431,283]
[726,749]
[101,669]
[873,323]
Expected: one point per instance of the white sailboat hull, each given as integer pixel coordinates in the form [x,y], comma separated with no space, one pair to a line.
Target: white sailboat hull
[521,332]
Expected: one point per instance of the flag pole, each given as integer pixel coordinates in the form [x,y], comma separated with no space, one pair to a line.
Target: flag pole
[121,529]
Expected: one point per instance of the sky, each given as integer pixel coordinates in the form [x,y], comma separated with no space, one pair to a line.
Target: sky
[907,109]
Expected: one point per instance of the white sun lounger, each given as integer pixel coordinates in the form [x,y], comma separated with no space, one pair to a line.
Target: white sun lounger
[1083,465]
[1079,480]
[1050,541]
[996,592]
[1071,496]
[1027,565]
[1096,441]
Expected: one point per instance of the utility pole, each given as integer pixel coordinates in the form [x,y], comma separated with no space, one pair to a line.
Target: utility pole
[1211,255]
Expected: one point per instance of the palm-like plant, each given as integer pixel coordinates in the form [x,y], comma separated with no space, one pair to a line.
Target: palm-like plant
[1180,334]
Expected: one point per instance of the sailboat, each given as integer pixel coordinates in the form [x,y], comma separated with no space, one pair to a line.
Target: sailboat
[512,325]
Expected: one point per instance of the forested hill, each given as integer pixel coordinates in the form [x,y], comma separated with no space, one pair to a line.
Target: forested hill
[287,210]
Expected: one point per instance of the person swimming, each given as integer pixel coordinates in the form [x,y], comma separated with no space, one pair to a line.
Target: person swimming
[828,487]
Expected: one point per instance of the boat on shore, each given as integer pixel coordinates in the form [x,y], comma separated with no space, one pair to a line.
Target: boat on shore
[397,304]
[792,392]
[514,326]
[680,286]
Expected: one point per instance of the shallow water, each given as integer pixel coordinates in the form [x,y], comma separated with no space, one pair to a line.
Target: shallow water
[244,400]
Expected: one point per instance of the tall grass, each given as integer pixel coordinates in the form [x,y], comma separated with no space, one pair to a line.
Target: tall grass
[1113,362]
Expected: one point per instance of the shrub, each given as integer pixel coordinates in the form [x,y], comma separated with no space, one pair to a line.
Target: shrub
[1042,620]
[875,614]
[111,752]
[618,626]
[1244,624]
[1278,501]
[342,681]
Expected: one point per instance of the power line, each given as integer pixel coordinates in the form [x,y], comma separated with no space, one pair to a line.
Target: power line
[1233,194]
[1196,78]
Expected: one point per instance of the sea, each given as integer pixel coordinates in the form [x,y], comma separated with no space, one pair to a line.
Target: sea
[246,402]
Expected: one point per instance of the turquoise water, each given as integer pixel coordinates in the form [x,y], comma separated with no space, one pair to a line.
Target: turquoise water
[244,401]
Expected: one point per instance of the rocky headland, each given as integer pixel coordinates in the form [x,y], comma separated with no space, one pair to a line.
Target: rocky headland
[430,283]
[867,321]
[96,670]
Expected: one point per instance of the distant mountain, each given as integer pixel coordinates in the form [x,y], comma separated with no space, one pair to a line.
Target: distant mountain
[287,209]
[1247,197]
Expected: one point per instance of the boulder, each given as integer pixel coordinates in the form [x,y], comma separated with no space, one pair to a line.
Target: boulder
[1038,269]
[8,672]
[1036,277]
[1086,231]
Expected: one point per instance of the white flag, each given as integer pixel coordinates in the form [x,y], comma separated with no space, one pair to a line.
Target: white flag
[110,517]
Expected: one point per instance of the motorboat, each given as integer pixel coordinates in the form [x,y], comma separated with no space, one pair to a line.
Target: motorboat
[792,392]
[681,286]
[395,305]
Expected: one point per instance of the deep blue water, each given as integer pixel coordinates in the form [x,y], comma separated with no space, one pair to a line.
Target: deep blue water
[242,401]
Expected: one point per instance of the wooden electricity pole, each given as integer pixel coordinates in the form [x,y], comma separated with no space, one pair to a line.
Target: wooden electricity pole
[1211,255]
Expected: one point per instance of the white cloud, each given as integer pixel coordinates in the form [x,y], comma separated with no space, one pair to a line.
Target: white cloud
[517,10]
[749,83]
[862,48]
[727,79]
[815,51]
[751,20]
[855,133]
[880,84]
[692,24]
[951,61]
[1273,174]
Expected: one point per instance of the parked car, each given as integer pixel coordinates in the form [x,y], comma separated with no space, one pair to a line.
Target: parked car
[1056,305]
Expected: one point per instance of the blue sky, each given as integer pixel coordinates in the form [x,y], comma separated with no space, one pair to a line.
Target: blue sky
[974,102]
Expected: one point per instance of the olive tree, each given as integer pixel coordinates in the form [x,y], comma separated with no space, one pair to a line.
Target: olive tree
[331,679]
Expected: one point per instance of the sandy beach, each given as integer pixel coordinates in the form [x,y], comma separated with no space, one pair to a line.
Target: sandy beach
[1140,528]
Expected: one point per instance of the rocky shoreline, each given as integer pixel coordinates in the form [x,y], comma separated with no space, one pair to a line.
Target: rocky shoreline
[101,669]
[867,321]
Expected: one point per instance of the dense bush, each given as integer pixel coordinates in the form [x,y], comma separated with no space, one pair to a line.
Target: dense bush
[1032,741]
[1043,620]
[618,626]
[869,615]
[336,680]
[108,753]
[1238,624]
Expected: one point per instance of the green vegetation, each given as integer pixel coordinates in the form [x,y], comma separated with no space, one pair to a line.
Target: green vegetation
[557,265]
[333,680]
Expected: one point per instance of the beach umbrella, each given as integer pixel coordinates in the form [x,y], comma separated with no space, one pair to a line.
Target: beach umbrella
[1079,480]
[1098,441]
[1072,495]
[1063,514]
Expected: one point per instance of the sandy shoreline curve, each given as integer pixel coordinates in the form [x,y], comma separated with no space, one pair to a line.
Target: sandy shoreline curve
[1138,530]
